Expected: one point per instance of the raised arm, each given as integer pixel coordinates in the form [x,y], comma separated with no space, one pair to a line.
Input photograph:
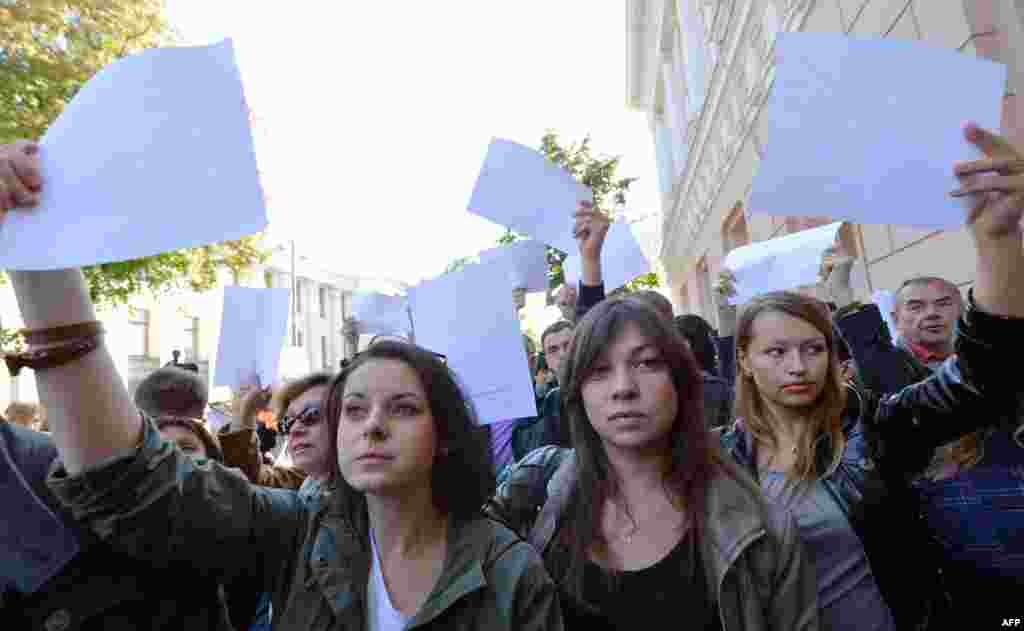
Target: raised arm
[974,388]
[994,190]
[725,343]
[134,490]
[590,229]
[91,415]
[241,446]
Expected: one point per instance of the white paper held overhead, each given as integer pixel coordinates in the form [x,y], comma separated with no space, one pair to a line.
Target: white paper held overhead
[519,188]
[468,316]
[253,326]
[869,130]
[783,263]
[380,314]
[622,259]
[525,263]
[153,154]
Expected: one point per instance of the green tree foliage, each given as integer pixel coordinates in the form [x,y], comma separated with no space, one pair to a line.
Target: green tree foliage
[48,50]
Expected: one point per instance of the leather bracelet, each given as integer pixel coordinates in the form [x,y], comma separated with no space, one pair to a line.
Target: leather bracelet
[44,358]
[56,334]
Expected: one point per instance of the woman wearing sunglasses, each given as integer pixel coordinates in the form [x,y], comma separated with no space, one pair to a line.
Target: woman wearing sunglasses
[308,469]
[298,406]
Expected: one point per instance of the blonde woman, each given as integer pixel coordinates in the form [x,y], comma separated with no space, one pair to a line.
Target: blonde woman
[839,459]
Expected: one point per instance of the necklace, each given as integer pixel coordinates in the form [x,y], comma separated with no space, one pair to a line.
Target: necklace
[628,536]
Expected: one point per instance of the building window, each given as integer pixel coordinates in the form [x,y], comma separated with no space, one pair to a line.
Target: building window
[325,360]
[190,340]
[298,337]
[735,232]
[298,297]
[139,320]
[324,297]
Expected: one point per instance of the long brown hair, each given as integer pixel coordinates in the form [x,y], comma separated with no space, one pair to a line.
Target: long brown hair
[462,478]
[826,414]
[692,461]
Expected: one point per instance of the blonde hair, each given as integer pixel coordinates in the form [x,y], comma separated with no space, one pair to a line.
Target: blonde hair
[826,415]
[295,389]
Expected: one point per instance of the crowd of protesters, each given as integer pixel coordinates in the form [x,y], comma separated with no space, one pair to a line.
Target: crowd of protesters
[798,468]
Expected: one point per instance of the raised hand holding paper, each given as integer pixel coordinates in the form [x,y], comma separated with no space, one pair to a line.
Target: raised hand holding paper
[519,188]
[253,326]
[525,263]
[380,314]
[866,130]
[783,263]
[622,260]
[154,154]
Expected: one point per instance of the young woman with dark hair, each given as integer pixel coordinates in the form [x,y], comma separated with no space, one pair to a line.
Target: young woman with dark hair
[405,439]
[644,521]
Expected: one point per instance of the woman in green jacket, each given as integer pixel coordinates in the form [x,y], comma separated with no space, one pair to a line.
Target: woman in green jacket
[401,544]
[645,520]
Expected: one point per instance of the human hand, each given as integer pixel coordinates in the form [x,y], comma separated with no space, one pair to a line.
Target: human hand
[993,186]
[590,229]
[20,179]
[837,261]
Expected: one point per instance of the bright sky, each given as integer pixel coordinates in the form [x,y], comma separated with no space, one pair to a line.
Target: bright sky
[375,116]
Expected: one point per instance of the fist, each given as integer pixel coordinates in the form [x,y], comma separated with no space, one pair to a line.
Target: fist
[590,229]
[20,179]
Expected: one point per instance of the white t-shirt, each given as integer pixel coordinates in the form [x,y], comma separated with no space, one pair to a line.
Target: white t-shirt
[381,615]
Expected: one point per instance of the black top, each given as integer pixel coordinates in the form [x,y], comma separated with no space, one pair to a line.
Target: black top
[660,596]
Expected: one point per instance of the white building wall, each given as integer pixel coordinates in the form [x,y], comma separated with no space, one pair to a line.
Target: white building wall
[724,48]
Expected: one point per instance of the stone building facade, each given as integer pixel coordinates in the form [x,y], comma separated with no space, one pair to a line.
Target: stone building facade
[702,70]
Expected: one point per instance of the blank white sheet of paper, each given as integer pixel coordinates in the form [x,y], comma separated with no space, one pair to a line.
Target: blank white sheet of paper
[153,154]
[468,316]
[525,263]
[572,270]
[381,314]
[783,263]
[622,259]
[519,188]
[869,130]
[253,326]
